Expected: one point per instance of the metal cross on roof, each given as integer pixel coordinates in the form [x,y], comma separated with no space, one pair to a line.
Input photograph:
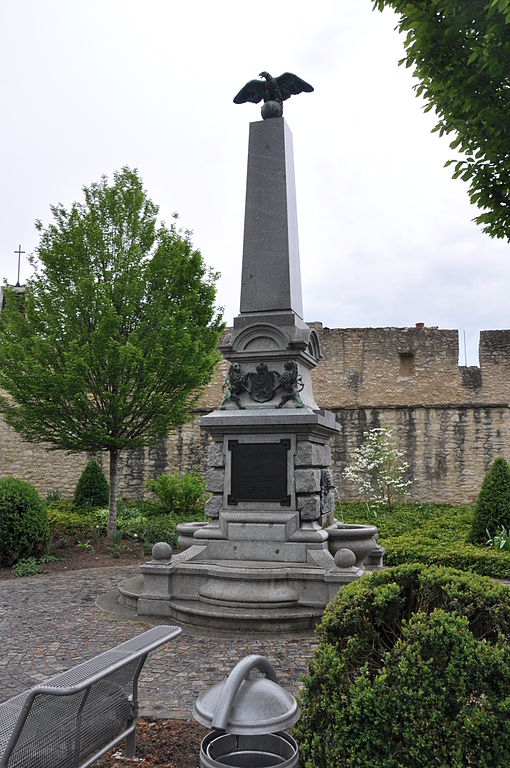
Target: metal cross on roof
[19,252]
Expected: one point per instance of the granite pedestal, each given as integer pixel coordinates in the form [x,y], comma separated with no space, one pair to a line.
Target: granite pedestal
[262,562]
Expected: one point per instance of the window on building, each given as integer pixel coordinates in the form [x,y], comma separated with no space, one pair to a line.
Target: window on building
[406,360]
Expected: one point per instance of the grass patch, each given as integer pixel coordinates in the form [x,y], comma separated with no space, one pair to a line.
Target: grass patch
[433,534]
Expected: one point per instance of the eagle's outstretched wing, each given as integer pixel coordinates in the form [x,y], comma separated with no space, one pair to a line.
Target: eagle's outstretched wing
[252,91]
[290,85]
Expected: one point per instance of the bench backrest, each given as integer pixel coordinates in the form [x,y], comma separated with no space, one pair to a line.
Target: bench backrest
[80,714]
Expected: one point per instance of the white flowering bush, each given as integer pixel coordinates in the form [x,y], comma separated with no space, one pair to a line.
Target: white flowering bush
[378,470]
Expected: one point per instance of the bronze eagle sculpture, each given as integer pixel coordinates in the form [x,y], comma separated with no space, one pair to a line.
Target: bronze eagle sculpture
[274,91]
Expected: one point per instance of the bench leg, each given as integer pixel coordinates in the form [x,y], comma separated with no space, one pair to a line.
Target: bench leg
[131,744]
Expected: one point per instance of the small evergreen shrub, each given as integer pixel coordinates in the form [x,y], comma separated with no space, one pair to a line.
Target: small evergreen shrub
[412,668]
[92,487]
[180,495]
[492,509]
[24,527]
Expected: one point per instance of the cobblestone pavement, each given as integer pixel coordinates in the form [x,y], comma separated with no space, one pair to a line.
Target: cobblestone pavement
[51,622]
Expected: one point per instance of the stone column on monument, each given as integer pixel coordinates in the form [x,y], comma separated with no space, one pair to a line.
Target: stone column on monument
[271,277]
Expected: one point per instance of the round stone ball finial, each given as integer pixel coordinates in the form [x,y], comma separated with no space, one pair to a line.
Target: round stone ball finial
[345,558]
[161,551]
[271,109]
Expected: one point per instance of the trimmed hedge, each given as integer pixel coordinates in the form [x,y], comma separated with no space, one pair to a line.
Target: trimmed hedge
[65,521]
[412,669]
[432,534]
[492,508]
[92,487]
[24,528]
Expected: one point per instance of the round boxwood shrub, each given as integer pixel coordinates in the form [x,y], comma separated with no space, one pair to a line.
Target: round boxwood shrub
[24,527]
[412,669]
[492,509]
[92,487]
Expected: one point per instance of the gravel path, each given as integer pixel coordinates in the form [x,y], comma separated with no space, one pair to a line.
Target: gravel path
[49,623]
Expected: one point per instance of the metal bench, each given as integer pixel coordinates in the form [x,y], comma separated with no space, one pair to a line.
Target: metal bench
[77,716]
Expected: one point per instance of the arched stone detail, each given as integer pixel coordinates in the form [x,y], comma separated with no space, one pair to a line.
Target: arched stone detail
[263,334]
[314,347]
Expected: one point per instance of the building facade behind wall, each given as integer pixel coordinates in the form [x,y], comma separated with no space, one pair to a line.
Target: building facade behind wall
[452,421]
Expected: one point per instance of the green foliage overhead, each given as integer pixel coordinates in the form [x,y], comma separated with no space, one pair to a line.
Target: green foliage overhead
[492,509]
[119,328]
[412,669]
[460,51]
[92,487]
[180,495]
[24,527]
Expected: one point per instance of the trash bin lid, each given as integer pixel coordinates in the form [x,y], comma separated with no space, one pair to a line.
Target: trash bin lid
[247,706]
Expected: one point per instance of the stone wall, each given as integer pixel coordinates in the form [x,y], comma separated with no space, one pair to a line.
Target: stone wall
[452,421]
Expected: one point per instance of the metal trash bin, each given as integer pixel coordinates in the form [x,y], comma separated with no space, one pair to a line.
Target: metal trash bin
[248,716]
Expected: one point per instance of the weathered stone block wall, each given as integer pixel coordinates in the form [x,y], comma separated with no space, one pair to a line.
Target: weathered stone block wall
[58,471]
[408,366]
[452,421]
[449,448]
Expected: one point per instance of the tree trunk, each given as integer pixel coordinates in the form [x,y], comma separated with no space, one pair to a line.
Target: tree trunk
[112,504]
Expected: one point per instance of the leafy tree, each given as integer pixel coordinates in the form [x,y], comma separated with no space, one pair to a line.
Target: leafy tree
[118,332]
[460,50]
[492,508]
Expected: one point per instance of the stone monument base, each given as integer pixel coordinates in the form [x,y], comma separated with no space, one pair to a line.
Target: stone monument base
[262,562]
[255,595]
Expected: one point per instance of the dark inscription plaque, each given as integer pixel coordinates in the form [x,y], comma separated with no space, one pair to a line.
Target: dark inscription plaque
[259,472]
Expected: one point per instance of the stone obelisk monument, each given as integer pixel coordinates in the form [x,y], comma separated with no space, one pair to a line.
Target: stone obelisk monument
[262,561]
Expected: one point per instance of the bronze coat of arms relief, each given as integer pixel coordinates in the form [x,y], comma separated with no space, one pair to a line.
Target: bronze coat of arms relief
[262,384]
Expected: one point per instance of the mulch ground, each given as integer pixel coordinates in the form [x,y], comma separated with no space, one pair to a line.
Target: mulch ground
[160,744]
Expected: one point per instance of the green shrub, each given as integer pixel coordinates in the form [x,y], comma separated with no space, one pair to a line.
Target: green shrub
[433,534]
[396,680]
[180,495]
[158,528]
[27,566]
[130,521]
[128,508]
[92,487]
[24,528]
[438,699]
[65,522]
[492,508]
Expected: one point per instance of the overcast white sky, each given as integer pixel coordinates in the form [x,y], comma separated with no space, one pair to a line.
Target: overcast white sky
[386,236]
